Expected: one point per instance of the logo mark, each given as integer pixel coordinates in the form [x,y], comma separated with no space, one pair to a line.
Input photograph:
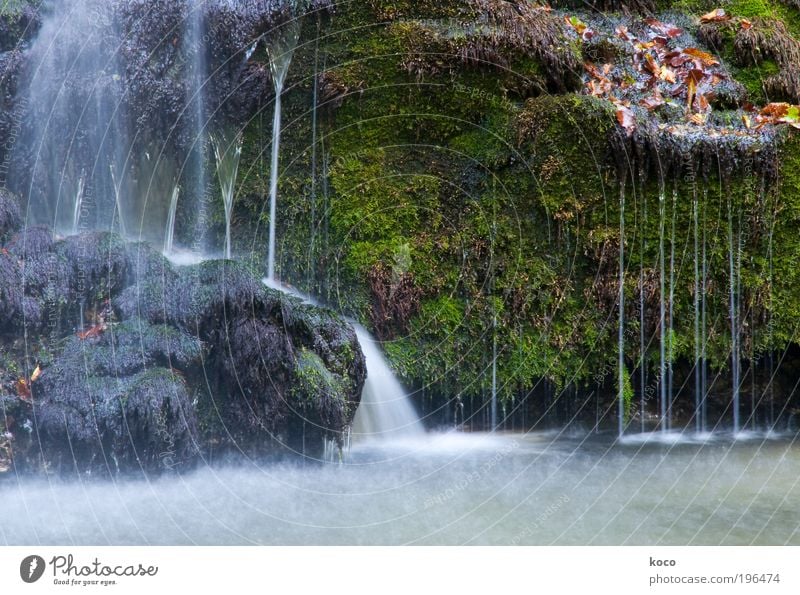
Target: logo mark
[31,569]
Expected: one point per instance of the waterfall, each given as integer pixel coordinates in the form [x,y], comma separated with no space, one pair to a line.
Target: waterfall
[76,217]
[698,421]
[169,238]
[118,210]
[385,411]
[621,299]
[642,338]
[97,116]
[662,310]
[733,319]
[196,119]
[280,51]
[228,153]
[670,330]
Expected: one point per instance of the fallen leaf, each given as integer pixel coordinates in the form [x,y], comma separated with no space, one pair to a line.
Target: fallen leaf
[576,24]
[664,28]
[775,110]
[23,390]
[36,373]
[666,74]
[698,119]
[626,119]
[745,24]
[650,64]
[704,57]
[652,102]
[746,121]
[92,332]
[622,32]
[715,16]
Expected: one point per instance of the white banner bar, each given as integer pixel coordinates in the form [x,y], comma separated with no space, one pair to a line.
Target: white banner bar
[406,571]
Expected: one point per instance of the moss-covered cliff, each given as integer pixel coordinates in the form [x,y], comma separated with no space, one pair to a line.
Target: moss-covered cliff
[457,189]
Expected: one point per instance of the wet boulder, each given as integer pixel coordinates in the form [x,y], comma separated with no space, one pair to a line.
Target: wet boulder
[141,365]
[10,219]
[119,401]
[264,348]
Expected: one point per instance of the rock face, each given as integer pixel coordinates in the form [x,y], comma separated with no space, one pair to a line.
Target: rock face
[114,360]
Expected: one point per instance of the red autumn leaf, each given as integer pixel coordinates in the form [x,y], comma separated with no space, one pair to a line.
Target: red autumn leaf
[664,28]
[698,119]
[695,75]
[775,110]
[701,102]
[677,59]
[705,58]
[715,16]
[650,64]
[626,119]
[23,390]
[691,88]
[652,102]
[92,332]
[622,32]
[666,74]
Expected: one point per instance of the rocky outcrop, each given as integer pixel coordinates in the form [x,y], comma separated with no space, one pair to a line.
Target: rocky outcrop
[114,360]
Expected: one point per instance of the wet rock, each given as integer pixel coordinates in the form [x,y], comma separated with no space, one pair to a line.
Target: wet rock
[10,219]
[146,366]
[120,400]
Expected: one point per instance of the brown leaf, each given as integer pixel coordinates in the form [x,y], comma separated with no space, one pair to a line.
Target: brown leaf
[695,75]
[715,16]
[36,373]
[622,32]
[92,332]
[775,110]
[664,28]
[626,119]
[652,102]
[666,74]
[650,64]
[698,119]
[705,58]
[745,24]
[23,390]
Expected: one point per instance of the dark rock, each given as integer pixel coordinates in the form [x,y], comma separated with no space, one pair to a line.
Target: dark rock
[120,401]
[9,213]
[146,366]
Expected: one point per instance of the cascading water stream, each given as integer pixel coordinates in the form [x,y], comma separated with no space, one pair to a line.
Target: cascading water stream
[662,311]
[732,307]
[228,152]
[621,327]
[385,411]
[76,217]
[169,238]
[280,51]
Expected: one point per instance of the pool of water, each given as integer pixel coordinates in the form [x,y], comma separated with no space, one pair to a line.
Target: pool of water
[542,488]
